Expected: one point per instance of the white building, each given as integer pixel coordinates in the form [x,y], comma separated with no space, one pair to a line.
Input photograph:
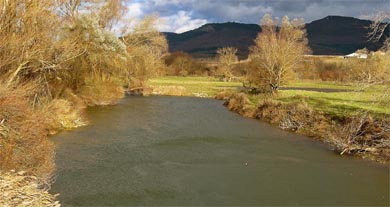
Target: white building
[356,55]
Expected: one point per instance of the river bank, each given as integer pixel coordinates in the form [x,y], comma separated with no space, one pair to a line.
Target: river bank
[315,114]
[346,136]
[362,136]
[18,189]
[26,127]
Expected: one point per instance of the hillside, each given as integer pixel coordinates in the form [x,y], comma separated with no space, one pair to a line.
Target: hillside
[332,35]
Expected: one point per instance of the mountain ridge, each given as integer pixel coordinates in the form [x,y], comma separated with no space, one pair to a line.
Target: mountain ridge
[332,35]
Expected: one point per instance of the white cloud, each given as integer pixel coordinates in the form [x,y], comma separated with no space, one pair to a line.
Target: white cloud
[242,11]
[180,22]
[134,10]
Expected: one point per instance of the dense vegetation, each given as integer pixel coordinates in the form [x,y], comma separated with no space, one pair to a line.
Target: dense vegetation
[56,58]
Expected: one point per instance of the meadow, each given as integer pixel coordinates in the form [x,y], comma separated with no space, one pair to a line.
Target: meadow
[345,99]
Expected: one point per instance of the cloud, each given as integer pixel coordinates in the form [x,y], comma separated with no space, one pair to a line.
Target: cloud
[180,22]
[134,10]
[240,12]
[181,15]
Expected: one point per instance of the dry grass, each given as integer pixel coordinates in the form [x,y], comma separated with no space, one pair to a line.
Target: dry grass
[20,190]
[23,135]
[240,103]
[170,90]
[63,114]
[194,85]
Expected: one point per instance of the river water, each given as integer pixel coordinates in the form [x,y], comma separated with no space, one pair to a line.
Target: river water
[190,151]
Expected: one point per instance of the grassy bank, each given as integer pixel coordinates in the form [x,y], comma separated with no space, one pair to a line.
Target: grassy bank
[351,121]
[191,86]
[333,103]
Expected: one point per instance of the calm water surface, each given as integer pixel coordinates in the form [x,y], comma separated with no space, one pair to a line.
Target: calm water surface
[189,151]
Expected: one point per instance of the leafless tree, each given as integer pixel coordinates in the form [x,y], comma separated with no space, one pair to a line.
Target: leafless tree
[227,57]
[380,28]
[278,49]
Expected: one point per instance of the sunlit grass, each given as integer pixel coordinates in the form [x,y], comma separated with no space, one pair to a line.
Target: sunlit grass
[203,85]
[334,103]
[337,103]
[320,84]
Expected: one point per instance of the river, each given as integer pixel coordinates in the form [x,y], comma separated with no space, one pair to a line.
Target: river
[191,151]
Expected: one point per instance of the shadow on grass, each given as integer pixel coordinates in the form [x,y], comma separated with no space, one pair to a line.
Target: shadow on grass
[332,106]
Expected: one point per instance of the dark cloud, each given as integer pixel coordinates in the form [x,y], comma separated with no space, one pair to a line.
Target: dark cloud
[251,11]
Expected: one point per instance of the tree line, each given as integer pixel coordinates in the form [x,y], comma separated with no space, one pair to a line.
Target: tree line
[279,53]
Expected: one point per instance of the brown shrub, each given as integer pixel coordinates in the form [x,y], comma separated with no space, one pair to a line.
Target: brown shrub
[269,110]
[63,114]
[24,145]
[224,95]
[100,91]
[239,103]
[364,133]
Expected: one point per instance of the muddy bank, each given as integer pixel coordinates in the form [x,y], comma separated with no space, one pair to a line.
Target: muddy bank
[362,136]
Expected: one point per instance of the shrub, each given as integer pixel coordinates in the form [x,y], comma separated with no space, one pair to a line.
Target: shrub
[101,91]
[240,103]
[333,70]
[24,145]
[63,114]
[100,54]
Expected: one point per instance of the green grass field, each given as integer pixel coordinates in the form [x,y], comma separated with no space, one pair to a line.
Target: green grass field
[334,103]
[204,85]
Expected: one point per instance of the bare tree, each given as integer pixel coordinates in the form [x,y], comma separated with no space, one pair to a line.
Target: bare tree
[111,12]
[380,31]
[278,49]
[380,28]
[27,40]
[227,58]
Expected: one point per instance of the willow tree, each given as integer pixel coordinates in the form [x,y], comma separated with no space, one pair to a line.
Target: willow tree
[98,72]
[27,39]
[227,57]
[277,51]
[146,47]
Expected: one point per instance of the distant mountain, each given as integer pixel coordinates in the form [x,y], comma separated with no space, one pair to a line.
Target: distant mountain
[332,35]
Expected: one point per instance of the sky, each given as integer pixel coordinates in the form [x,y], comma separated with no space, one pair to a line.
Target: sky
[183,15]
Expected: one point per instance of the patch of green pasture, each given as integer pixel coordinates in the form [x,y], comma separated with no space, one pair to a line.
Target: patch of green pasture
[320,84]
[208,85]
[338,103]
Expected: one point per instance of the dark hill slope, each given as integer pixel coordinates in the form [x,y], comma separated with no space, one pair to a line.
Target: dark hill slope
[204,41]
[333,35]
